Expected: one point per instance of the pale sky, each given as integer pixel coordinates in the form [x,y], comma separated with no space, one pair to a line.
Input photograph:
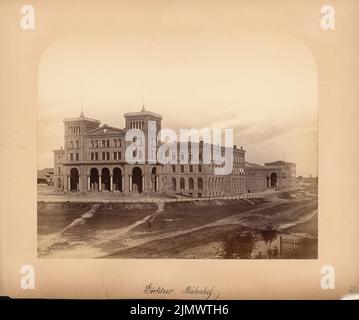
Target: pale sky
[261,84]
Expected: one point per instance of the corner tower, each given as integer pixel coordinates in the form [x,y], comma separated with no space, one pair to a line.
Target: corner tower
[75,132]
[144,177]
[140,120]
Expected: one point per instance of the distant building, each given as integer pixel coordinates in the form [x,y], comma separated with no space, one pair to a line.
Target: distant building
[93,160]
[279,175]
[45,176]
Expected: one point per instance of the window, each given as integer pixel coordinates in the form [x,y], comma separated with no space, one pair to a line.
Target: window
[77,157]
[96,144]
[182,168]
[119,142]
[119,156]
[58,170]
[191,168]
[115,156]
[96,155]
[92,144]
[92,156]
[103,155]
[107,156]
[103,143]
[199,168]
[182,183]
[173,169]
[190,182]
[200,183]
[200,156]
[114,142]
[71,157]
[107,143]
[77,144]
[71,145]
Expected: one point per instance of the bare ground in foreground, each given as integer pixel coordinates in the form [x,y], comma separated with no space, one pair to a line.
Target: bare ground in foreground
[283,226]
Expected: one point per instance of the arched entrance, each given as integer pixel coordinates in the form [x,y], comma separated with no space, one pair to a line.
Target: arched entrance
[74,179]
[137,179]
[94,179]
[273,180]
[105,179]
[154,179]
[117,179]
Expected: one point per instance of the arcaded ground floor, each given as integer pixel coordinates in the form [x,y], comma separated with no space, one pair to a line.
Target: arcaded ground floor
[280,226]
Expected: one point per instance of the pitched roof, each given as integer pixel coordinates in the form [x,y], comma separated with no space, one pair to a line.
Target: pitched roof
[45,173]
[105,129]
[143,112]
[279,162]
[82,117]
[254,165]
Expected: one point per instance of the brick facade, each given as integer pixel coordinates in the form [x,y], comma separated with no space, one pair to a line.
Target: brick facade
[93,160]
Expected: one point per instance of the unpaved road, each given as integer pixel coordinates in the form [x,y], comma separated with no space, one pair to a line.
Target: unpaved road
[184,230]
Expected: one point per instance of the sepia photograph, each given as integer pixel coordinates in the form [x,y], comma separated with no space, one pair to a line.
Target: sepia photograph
[179,151]
[186,145]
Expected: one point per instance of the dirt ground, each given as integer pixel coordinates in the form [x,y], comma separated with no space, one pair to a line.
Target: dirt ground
[283,226]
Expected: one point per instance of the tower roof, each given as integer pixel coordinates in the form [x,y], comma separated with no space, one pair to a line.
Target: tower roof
[142,113]
[82,117]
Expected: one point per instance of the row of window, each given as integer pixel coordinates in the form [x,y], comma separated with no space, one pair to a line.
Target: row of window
[238,183]
[74,144]
[182,168]
[74,129]
[74,156]
[116,155]
[190,183]
[138,124]
[105,143]
[238,158]
[200,157]
[118,143]
[214,183]
[105,155]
